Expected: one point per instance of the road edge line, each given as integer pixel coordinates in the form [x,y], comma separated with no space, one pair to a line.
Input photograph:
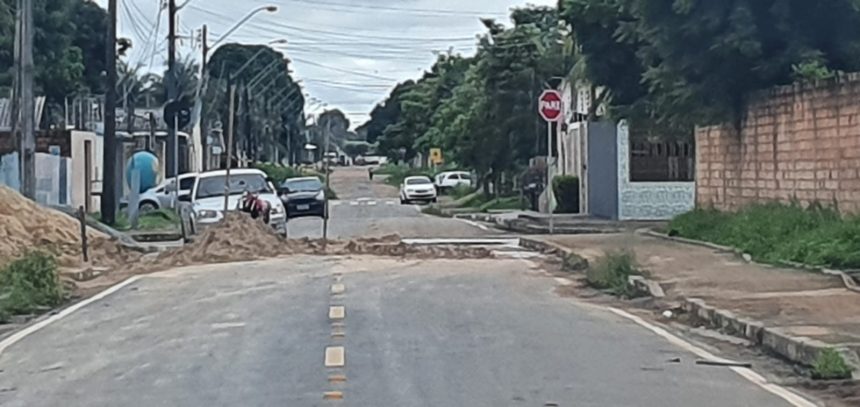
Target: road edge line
[475,224]
[18,336]
[792,398]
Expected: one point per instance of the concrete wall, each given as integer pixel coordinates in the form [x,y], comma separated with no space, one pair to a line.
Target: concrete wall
[53,184]
[602,170]
[797,142]
[648,200]
[78,172]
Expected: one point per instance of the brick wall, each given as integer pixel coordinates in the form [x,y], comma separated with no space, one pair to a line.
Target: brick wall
[797,142]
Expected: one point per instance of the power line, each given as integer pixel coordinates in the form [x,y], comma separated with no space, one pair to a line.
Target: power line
[366,75]
[422,11]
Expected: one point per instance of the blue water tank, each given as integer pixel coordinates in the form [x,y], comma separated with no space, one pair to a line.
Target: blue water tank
[147,164]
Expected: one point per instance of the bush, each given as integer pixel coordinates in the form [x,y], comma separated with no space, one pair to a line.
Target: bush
[777,233]
[566,190]
[830,366]
[460,191]
[612,271]
[30,283]
[278,173]
[504,203]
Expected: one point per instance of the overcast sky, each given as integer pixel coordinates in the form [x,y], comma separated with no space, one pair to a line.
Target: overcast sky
[347,53]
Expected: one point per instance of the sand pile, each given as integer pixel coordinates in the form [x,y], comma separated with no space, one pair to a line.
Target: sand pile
[25,225]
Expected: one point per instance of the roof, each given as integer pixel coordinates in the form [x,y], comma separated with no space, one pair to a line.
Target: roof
[235,171]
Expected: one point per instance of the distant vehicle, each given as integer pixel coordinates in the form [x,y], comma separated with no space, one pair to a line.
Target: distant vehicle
[452,179]
[303,197]
[162,196]
[417,189]
[207,196]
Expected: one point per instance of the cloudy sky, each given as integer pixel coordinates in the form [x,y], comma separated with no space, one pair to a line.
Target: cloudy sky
[347,53]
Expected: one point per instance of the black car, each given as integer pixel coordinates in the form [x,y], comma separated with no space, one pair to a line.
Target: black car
[303,197]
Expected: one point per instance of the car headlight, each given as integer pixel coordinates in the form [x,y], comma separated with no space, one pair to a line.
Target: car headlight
[321,196]
[207,214]
[277,209]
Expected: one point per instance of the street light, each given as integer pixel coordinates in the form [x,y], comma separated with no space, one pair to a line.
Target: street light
[269,9]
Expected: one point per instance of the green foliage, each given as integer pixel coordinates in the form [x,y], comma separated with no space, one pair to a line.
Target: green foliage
[612,271]
[278,173]
[573,262]
[502,204]
[69,46]
[777,233]
[566,189]
[356,148]
[397,173]
[688,63]
[830,366]
[460,191]
[28,284]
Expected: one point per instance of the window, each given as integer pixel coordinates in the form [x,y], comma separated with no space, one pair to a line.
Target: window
[186,184]
[304,185]
[418,181]
[239,184]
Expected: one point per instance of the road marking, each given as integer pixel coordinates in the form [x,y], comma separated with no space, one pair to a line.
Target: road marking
[333,395]
[563,281]
[391,202]
[335,356]
[335,203]
[228,325]
[338,325]
[371,203]
[336,312]
[337,289]
[62,314]
[337,378]
[353,203]
[475,224]
[749,374]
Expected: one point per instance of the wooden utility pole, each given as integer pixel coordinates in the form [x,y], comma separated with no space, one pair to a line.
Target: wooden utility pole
[110,193]
[229,149]
[204,129]
[28,104]
[172,150]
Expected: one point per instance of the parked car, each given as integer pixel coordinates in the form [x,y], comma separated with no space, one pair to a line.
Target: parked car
[207,196]
[162,196]
[452,179]
[303,197]
[417,189]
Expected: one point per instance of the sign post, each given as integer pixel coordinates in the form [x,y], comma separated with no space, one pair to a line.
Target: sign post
[551,110]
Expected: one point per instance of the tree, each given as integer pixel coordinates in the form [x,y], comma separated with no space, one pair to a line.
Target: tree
[356,148]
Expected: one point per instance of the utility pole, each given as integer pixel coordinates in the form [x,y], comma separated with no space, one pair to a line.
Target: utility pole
[229,149]
[172,138]
[28,104]
[109,197]
[327,180]
[204,130]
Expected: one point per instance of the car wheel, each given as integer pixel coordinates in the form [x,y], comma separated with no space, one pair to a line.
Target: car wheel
[147,206]
[433,200]
[403,201]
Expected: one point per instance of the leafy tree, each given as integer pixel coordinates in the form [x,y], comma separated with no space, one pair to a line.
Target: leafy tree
[356,148]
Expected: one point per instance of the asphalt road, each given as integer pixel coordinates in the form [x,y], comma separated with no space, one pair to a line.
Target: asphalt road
[413,333]
[366,208]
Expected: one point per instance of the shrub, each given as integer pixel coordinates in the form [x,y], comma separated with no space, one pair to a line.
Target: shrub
[278,173]
[460,191]
[612,271]
[30,283]
[573,262]
[830,366]
[566,190]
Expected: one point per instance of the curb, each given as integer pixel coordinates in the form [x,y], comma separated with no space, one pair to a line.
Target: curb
[644,285]
[847,281]
[794,349]
[800,350]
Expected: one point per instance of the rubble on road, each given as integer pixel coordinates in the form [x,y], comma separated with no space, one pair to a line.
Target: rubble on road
[26,225]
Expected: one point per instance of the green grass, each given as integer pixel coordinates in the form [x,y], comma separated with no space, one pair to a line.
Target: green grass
[29,284]
[777,233]
[612,271]
[504,203]
[158,220]
[830,366]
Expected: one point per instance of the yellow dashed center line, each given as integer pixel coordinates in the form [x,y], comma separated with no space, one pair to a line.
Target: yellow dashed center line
[336,312]
[333,395]
[335,356]
[337,289]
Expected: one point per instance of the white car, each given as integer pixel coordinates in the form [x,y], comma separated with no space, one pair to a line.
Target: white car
[162,195]
[416,189]
[207,197]
[453,179]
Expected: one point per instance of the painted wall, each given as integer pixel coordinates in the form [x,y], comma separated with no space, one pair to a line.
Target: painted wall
[648,200]
[53,184]
[602,170]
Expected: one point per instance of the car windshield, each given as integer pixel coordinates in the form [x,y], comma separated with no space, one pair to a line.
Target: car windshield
[303,185]
[239,184]
[417,181]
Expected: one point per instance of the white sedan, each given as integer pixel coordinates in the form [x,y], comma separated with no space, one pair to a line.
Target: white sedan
[207,197]
[417,189]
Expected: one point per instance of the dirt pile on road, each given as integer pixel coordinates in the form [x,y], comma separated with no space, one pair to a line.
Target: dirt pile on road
[26,225]
[240,238]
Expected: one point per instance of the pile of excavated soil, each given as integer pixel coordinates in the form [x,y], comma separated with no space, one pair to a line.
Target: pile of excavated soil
[26,225]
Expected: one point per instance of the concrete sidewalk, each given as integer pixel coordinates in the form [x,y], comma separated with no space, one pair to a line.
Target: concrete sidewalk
[792,312]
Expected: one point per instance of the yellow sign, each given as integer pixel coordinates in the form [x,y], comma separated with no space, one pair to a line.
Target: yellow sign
[436,156]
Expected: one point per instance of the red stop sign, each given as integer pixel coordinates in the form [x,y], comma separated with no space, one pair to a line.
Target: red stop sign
[550,106]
